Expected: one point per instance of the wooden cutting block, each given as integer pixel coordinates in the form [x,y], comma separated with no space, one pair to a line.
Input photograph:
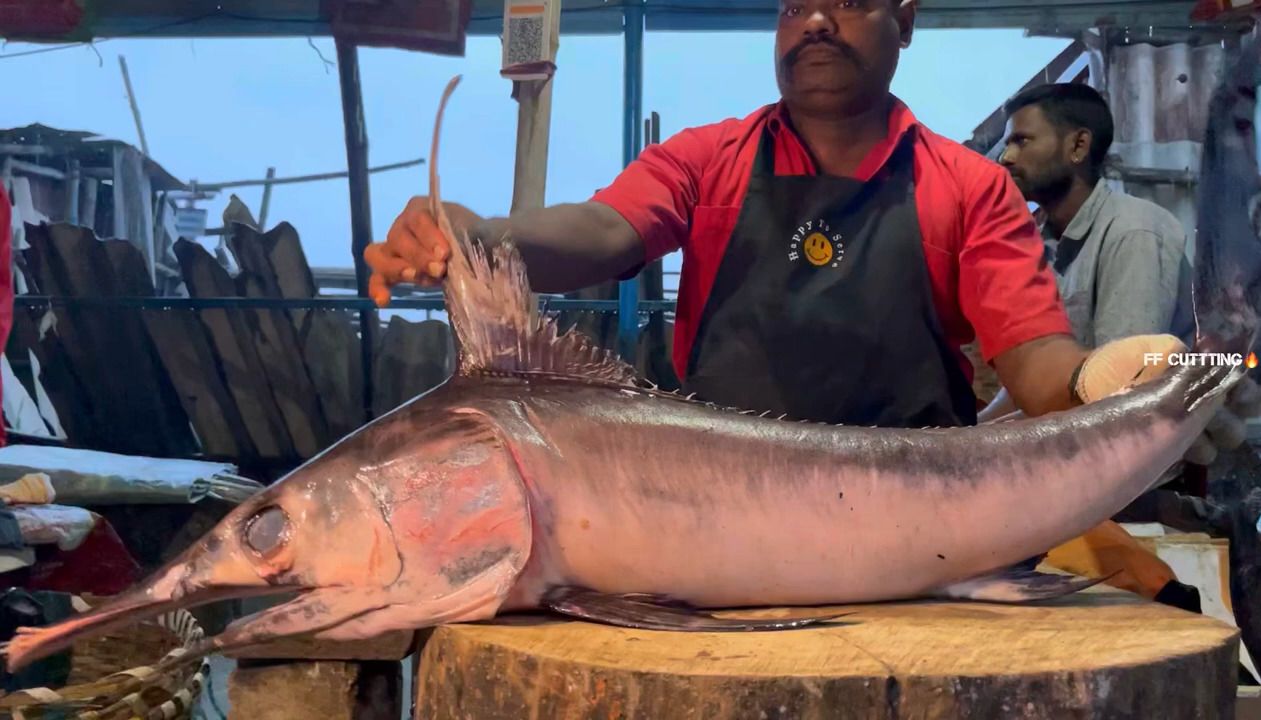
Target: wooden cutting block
[1099,653]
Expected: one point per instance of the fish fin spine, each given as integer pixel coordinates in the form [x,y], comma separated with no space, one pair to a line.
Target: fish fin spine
[644,611]
[494,315]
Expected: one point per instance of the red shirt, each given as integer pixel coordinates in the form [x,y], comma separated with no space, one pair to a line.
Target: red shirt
[984,253]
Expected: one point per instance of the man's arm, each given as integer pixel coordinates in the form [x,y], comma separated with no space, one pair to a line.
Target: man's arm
[1137,291]
[644,214]
[568,247]
[1039,374]
[1009,294]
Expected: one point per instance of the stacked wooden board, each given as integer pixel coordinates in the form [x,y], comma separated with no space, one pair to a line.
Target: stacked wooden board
[265,388]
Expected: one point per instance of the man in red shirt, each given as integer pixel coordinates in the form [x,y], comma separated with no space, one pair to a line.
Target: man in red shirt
[836,252]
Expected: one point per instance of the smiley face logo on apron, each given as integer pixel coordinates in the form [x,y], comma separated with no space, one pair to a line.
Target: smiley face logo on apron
[815,241]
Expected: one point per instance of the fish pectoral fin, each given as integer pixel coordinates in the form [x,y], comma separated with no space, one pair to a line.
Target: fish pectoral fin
[655,599]
[1017,584]
[656,612]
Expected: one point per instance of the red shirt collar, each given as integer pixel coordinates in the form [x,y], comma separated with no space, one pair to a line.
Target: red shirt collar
[901,121]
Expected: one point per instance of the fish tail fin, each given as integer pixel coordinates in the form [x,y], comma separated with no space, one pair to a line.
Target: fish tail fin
[1227,288]
[494,315]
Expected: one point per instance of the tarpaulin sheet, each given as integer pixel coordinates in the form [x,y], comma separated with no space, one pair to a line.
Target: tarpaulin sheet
[90,477]
[59,525]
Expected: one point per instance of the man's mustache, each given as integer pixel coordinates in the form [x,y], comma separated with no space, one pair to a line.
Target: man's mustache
[790,58]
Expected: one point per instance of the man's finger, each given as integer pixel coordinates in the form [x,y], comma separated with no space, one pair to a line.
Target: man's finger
[428,243]
[392,268]
[401,242]
[378,291]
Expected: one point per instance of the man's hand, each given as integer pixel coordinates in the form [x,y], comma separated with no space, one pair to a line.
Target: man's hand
[414,250]
[1125,362]
[1135,360]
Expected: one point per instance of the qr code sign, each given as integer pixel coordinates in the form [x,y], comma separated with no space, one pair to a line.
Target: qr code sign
[525,40]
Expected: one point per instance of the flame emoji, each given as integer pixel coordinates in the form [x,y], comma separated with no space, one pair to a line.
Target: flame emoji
[1252,360]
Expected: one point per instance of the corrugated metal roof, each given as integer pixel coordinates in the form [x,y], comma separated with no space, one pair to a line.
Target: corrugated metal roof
[203,18]
[1159,96]
[38,142]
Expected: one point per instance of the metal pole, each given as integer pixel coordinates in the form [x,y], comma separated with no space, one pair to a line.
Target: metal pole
[135,108]
[266,204]
[360,203]
[632,129]
[72,193]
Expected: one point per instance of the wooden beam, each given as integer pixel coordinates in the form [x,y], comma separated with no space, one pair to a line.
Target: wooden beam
[360,201]
[534,119]
[135,108]
[20,149]
[211,187]
[240,18]
[534,116]
[33,169]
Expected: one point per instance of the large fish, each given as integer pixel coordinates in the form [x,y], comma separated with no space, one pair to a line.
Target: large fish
[543,475]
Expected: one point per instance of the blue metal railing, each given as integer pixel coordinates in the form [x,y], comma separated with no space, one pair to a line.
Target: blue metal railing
[322,303]
[632,139]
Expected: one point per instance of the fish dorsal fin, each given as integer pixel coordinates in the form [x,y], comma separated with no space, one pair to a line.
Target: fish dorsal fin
[494,315]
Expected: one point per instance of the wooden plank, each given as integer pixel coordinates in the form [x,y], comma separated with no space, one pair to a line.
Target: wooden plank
[330,344]
[107,348]
[234,345]
[412,358]
[328,338]
[150,407]
[65,343]
[69,398]
[279,346]
[190,362]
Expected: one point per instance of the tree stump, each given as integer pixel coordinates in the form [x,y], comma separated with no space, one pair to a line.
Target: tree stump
[1102,653]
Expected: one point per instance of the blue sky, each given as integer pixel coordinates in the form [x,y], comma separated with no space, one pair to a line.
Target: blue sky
[221,110]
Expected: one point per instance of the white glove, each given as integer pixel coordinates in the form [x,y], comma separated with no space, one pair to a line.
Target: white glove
[1126,362]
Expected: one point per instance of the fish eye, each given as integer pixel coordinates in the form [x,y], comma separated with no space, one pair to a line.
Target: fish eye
[267,532]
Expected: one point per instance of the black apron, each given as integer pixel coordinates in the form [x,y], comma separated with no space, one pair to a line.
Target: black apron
[822,307]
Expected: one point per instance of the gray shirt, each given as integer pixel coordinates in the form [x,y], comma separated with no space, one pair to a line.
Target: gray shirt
[1123,270]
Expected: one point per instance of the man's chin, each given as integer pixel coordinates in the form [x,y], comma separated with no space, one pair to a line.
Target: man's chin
[827,93]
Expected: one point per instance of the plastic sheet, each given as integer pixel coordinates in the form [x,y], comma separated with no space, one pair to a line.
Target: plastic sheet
[59,525]
[89,477]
